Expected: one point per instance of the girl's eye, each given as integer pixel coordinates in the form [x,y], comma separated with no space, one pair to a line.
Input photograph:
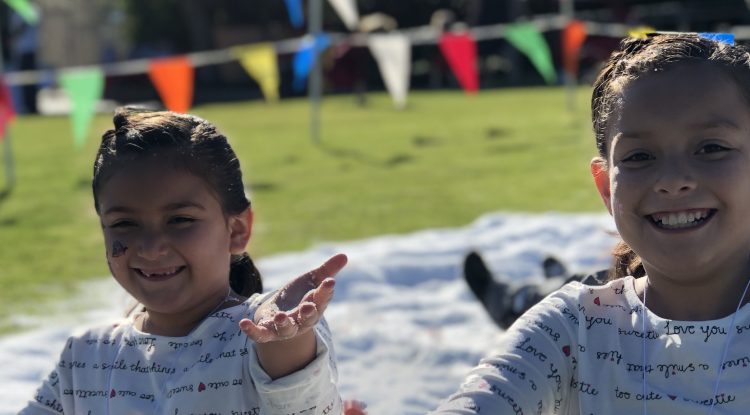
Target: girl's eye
[712,148]
[122,224]
[181,220]
[637,157]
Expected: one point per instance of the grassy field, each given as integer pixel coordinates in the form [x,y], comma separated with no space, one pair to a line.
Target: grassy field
[442,162]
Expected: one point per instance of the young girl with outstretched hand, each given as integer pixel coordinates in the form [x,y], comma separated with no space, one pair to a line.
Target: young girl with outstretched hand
[670,333]
[168,190]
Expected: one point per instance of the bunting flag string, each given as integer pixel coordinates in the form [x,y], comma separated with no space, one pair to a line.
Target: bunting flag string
[7,110]
[526,38]
[261,63]
[460,51]
[85,88]
[423,35]
[417,36]
[573,37]
[173,78]
[392,52]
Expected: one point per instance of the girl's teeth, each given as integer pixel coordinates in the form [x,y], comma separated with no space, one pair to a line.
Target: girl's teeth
[679,219]
[160,274]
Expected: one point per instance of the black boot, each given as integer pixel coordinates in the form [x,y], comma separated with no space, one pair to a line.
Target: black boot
[553,268]
[492,294]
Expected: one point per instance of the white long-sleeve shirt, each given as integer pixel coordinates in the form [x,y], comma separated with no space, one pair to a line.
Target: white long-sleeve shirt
[580,351]
[117,369]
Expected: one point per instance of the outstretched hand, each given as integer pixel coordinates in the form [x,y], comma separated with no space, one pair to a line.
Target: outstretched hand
[296,307]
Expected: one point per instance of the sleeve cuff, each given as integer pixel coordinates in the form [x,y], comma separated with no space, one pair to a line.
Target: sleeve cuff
[308,388]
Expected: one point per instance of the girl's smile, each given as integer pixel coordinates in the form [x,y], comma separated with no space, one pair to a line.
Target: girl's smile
[689,219]
[159,274]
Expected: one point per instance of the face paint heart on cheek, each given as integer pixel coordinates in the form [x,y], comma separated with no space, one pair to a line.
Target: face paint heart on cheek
[118,249]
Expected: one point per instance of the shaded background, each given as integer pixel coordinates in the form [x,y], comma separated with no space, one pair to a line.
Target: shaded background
[86,32]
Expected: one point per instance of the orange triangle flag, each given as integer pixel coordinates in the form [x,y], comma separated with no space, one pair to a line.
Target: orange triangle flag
[573,37]
[173,79]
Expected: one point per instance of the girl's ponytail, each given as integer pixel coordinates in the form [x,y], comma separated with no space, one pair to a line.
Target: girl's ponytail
[244,277]
[626,262]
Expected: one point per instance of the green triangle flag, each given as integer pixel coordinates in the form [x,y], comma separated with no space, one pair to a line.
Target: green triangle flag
[526,38]
[85,88]
[25,10]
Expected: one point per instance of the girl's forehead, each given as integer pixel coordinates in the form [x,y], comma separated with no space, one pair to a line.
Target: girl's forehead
[145,168]
[686,78]
[683,96]
[150,185]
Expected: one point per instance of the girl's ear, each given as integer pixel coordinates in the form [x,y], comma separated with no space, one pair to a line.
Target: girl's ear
[601,178]
[240,228]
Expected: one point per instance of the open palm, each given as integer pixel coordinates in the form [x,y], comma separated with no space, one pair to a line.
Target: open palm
[296,307]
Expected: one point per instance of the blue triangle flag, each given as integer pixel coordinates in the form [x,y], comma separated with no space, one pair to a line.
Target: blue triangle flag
[305,58]
[294,7]
[719,37]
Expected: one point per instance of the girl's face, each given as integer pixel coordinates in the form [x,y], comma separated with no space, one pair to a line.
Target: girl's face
[168,241]
[677,178]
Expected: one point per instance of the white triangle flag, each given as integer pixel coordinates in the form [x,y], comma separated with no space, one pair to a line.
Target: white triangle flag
[347,10]
[392,52]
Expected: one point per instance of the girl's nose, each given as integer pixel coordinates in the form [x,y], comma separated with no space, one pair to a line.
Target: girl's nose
[675,179]
[152,245]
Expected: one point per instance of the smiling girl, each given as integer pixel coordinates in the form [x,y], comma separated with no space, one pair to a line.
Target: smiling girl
[670,334]
[168,190]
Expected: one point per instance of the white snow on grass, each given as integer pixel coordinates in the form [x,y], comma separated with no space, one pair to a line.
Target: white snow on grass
[405,325]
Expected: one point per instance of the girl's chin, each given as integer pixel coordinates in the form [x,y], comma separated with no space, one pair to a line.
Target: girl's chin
[676,266]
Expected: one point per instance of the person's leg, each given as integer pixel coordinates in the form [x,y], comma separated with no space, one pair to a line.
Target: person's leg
[505,303]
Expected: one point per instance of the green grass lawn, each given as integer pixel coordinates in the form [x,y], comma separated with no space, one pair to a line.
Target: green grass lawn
[442,162]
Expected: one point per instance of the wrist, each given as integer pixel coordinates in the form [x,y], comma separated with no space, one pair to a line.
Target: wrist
[283,357]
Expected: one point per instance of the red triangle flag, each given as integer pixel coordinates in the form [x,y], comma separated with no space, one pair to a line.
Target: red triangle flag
[460,51]
[7,110]
[573,37]
[173,79]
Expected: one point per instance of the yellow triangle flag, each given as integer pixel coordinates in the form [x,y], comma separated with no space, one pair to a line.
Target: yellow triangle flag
[640,32]
[260,62]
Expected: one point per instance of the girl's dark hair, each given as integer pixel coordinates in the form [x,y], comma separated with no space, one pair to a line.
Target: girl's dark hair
[184,142]
[637,58]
